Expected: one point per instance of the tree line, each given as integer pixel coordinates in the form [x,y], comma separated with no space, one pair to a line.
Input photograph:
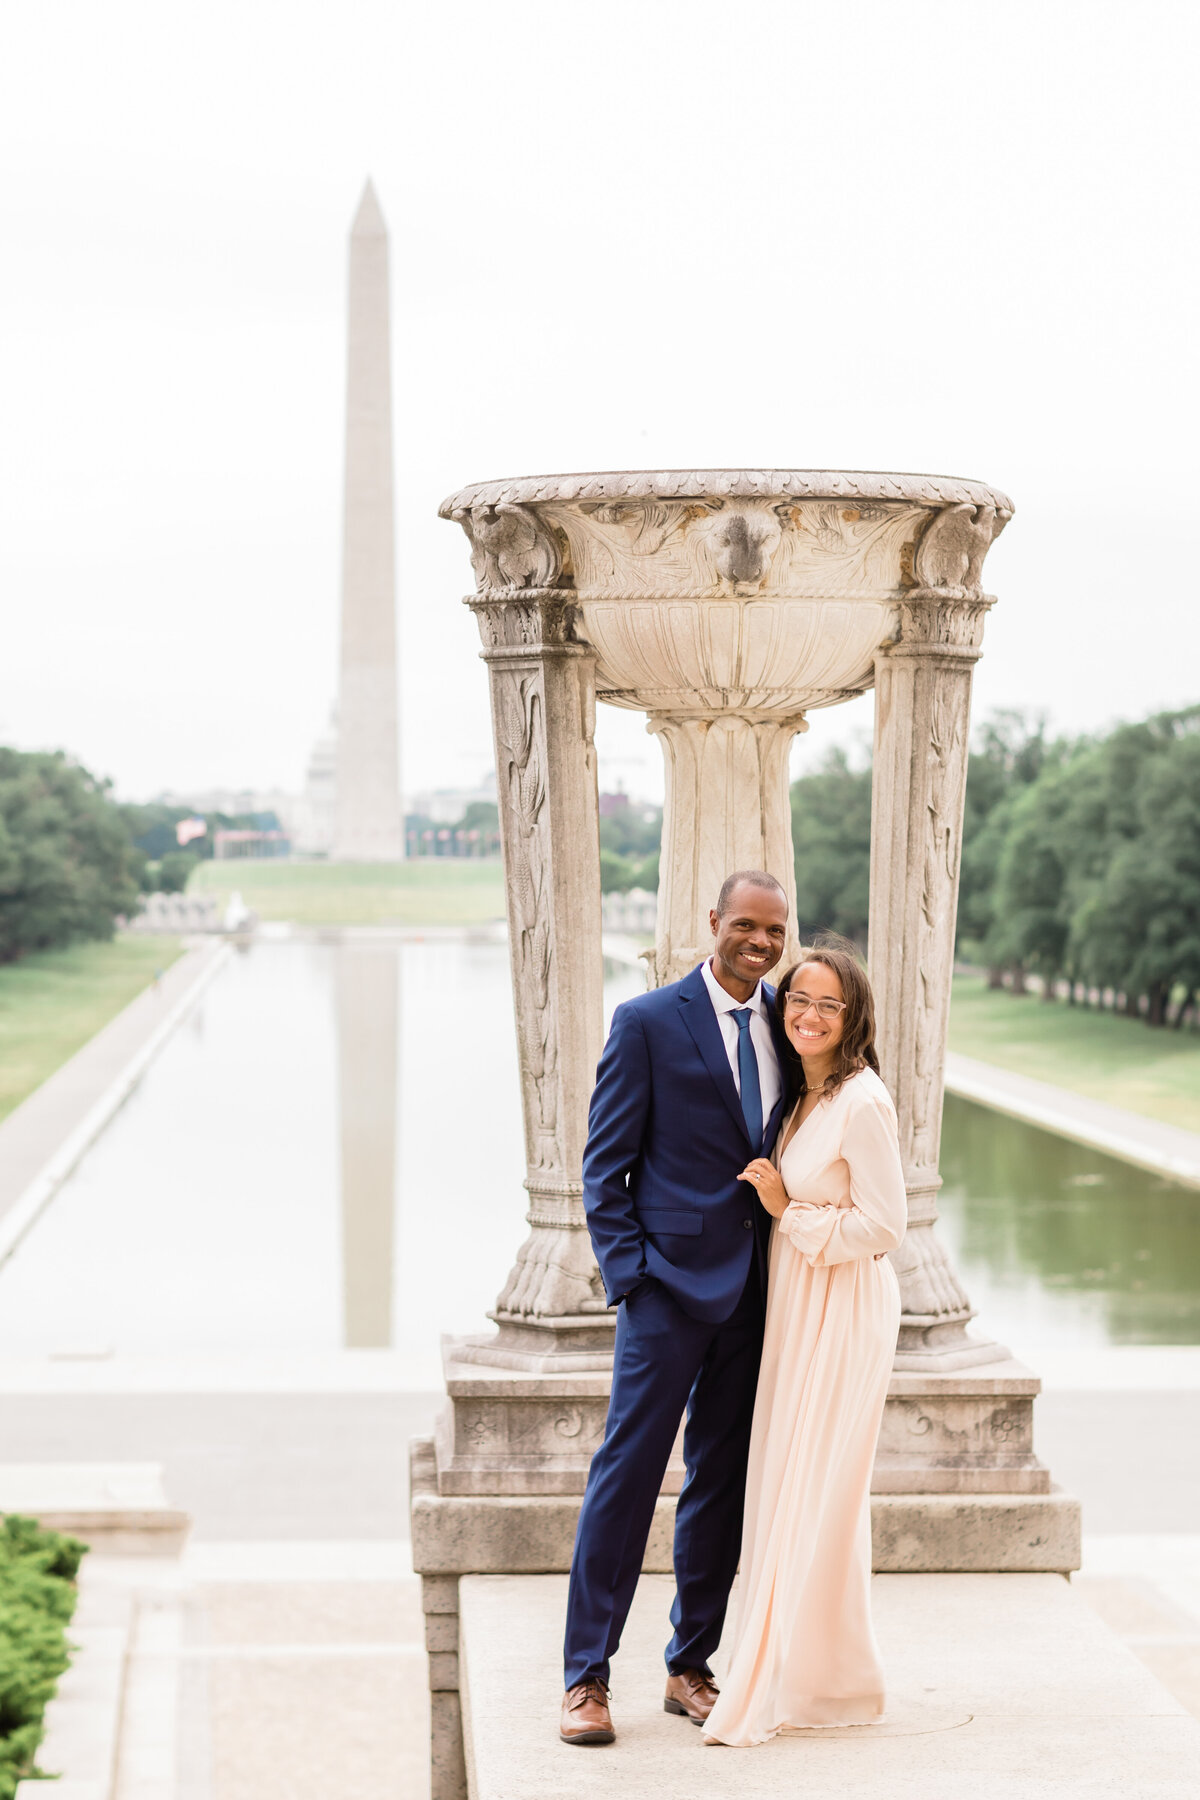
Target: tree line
[73,860]
[1080,860]
[1080,857]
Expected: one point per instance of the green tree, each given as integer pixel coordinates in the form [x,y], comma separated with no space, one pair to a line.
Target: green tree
[1137,929]
[479,815]
[1009,755]
[616,873]
[67,867]
[831,837]
[1098,876]
[174,871]
[632,830]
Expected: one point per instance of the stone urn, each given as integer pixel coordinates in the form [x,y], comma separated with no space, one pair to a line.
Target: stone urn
[726,604]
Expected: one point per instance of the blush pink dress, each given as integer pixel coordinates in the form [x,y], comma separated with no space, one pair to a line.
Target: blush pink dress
[804,1650]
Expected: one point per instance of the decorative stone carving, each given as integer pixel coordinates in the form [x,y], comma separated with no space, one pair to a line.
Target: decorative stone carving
[519,709]
[726,605]
[699,485]
[510,546]
[955,542]
[922,711]
[543,703]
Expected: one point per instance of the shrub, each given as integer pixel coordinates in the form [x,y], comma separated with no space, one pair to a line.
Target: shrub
[37,1597]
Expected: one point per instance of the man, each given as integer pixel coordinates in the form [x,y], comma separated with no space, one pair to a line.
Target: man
[689,1089]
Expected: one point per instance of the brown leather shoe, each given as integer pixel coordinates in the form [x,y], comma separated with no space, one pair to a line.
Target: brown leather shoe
[691,1693]
[585,1715]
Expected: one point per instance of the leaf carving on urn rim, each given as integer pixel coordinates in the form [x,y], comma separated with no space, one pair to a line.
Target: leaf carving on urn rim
[655,520]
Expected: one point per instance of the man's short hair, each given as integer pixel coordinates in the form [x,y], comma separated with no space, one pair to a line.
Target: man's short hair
[753,878]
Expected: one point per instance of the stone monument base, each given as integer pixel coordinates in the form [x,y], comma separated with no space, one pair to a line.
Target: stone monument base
[544,1346]
[519,1431]
[533,1534]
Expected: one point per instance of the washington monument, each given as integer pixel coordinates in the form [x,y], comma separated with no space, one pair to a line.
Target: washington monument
[368,821]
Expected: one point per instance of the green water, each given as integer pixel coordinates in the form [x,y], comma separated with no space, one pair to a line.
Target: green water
[1060,1244]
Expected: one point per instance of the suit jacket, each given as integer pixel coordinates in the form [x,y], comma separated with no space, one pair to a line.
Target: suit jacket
[666,1140]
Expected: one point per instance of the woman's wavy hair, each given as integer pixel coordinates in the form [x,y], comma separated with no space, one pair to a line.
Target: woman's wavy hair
[856,1047]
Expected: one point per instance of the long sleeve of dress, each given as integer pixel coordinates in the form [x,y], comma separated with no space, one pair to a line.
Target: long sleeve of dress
[875,1219]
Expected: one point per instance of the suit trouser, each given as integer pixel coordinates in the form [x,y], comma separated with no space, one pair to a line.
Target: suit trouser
[663,1360]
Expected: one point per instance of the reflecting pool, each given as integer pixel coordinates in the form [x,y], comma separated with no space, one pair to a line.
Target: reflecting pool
[1058,1244]
[328,1155]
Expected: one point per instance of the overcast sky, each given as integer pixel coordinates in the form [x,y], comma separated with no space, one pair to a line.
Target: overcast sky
[939,237]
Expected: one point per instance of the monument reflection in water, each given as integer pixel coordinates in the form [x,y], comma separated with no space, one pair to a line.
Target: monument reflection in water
[367,984]
[326,1154]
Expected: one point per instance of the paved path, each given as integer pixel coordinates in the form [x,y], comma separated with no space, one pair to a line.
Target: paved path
[47,1134]
[1008,1687]
[1131,1136]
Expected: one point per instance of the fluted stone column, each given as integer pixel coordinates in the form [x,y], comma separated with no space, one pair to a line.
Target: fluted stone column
[922,722]
[727,806]
[551,1311]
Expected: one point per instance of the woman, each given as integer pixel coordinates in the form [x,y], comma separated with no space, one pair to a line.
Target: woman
[804,1651]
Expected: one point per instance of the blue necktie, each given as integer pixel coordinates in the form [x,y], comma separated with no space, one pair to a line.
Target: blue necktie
[748,1076]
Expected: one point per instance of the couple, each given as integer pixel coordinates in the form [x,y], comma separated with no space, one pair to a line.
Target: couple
[778,1340]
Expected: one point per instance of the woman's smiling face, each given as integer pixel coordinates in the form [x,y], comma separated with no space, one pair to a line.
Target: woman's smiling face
[809,1031]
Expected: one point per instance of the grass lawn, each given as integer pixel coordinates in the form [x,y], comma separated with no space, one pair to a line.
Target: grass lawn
[1120,1061]
[53,1002]
[440,891]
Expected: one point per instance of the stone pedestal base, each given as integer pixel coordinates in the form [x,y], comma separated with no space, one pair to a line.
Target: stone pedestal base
[509,1430]
[966,1432]
[494,1534]
[533,1534]
[938,1348]
[542,1346]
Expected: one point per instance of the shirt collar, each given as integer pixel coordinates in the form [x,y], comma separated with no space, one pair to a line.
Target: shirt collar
[725,1002]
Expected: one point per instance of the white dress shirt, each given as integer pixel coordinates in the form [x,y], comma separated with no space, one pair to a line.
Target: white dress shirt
[770,1078]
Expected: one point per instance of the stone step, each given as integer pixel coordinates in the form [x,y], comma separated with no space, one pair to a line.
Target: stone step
[458,1534]
[1004,1686]
[119,1509]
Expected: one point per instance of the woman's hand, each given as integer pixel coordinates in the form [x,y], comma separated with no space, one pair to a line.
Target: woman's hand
[767,1183]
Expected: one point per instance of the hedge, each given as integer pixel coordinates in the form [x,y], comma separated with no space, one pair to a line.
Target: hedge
[37,1597]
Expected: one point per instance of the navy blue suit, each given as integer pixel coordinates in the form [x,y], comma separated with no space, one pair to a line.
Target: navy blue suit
[681,1245]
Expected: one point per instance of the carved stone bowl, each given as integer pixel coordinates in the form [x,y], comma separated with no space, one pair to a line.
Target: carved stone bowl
[760,593]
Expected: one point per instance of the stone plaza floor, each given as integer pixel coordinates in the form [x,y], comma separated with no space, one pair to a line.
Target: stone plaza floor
[283,1657]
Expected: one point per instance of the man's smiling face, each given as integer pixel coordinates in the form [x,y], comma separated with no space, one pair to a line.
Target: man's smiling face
[749,937]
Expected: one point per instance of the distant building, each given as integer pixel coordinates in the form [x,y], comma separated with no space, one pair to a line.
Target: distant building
[311,819]
[446,806]
[635,912]
[233,802]
[250,846]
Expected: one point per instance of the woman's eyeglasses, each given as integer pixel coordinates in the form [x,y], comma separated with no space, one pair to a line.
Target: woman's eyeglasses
[799,1003]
